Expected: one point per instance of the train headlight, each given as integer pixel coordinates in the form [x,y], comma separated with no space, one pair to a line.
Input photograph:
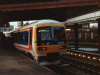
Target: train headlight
[60,47]
[42,48]
[89,57]
[99,59]
[79,54]
[84,56]
[63,47]
[68,52]
[94,58]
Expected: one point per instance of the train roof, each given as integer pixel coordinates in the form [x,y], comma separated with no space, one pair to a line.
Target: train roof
[47,21]
[37,22]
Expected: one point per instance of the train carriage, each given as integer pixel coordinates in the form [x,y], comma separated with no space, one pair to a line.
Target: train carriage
[45,40]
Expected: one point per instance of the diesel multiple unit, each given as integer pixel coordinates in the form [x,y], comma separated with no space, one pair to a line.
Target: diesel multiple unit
[45,40]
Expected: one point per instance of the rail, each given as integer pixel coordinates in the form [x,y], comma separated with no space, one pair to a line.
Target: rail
[84,60]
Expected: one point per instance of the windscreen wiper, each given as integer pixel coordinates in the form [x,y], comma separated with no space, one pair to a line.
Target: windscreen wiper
[48,36]
[60,34]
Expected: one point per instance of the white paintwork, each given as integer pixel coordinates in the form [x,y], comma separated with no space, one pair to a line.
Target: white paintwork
[44,21]
[21,45]
[84,18]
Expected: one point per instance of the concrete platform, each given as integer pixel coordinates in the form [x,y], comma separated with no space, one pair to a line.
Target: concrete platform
[94,52]
[88,49]
[14,63]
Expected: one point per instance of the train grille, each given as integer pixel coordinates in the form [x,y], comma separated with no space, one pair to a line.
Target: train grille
[52,56]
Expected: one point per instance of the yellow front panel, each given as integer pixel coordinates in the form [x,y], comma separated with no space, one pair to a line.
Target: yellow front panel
[50,48]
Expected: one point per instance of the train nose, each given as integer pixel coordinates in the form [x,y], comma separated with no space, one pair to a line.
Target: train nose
[52,56]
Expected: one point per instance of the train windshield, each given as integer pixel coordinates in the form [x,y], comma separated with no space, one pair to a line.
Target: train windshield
[51,35]
[58,33]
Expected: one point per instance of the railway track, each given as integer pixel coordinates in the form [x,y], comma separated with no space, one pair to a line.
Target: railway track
[66,69]
[59,70]
[70,66]
[55,68]
[87,67]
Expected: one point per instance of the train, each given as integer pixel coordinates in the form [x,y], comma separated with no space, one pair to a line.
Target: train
[44,39]
[89,35]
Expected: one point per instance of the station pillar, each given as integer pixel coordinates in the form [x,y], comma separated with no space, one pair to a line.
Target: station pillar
[99,35]
[76,36]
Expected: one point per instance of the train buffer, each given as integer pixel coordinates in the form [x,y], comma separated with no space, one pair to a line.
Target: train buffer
[15,63]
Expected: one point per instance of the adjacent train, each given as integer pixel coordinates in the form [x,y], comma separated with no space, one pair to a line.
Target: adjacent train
[44,39]
[84,35]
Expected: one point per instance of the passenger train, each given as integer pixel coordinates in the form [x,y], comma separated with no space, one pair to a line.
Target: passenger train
[44,39]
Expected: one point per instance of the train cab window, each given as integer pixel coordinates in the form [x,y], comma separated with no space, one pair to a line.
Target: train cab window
[44,33]
[21,37]
[26,37]
[59,32]
[51,35]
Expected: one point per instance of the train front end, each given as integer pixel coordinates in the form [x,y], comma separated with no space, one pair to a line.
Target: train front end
[50,43]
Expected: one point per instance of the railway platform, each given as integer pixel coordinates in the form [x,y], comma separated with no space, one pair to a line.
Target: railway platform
[84,58]
[85,50]
[15,63]
[84,55]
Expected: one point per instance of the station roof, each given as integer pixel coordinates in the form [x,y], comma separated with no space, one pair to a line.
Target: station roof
[86,18]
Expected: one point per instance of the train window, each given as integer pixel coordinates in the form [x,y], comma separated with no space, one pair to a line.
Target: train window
[79,35]
[59,32]
[51,35]
[26,37]
[16,38]
[21,37]
[30,37]
[91,35]
[44,33]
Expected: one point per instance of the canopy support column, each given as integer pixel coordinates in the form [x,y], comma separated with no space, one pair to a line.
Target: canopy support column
[76,36]
[99,35]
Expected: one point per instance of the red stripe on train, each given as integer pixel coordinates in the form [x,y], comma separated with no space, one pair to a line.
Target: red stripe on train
[30,48]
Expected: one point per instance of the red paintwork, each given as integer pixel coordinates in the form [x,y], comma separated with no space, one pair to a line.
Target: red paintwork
[29,46]
[47,5]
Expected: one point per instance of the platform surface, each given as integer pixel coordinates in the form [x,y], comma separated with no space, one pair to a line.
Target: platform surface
[15,63]
[87,50]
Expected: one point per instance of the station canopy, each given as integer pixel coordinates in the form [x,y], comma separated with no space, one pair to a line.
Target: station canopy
[86,18]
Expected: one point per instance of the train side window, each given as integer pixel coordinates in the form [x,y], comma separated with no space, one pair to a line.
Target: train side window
[30,37]
[21,37]
[16,38]
[26,37]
